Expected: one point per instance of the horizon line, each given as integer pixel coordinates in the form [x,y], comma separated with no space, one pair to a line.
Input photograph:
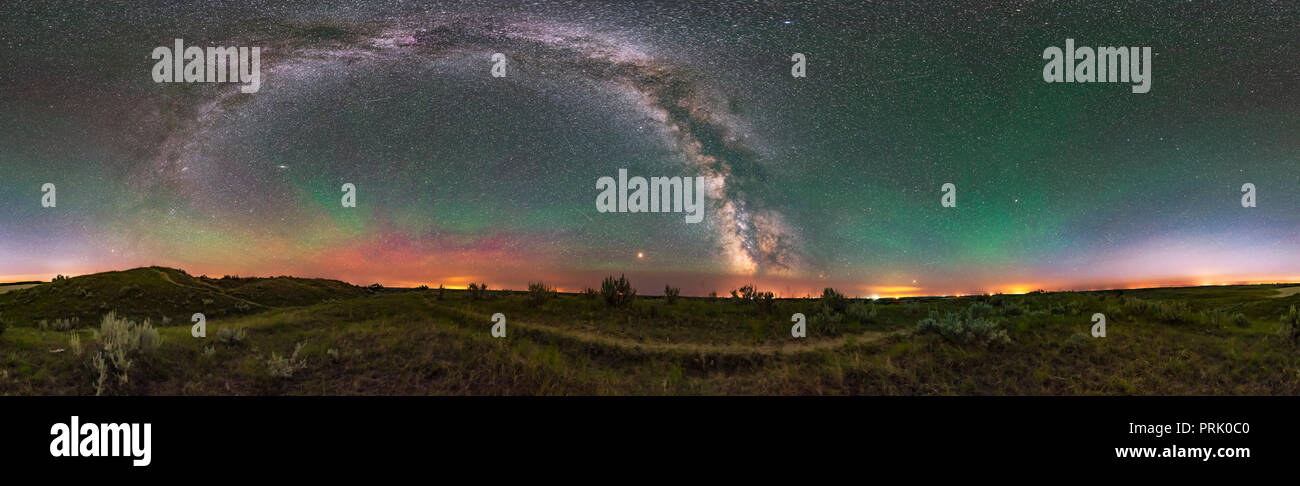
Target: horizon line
[35,279]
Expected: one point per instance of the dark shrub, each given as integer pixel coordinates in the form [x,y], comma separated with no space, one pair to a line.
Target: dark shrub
[746,294]
[539,293]
[671,293]
[833,300]
[963,328]
[767,301]
[617,293]
[477,291]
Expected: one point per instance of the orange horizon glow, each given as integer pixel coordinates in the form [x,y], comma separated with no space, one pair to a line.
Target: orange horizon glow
[782,287]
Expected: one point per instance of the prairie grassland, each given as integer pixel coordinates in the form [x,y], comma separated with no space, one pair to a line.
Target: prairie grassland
[1205,340]
[14,287]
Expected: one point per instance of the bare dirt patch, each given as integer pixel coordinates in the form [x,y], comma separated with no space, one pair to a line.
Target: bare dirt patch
[1287,292]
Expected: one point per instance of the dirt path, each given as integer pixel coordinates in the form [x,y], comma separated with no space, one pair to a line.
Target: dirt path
[1287,292]
[792,347]
[169,280]
[11,288]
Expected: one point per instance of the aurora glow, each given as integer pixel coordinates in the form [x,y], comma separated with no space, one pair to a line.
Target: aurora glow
[829,180]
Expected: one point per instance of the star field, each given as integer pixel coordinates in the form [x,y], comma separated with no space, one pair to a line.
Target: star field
[829,180]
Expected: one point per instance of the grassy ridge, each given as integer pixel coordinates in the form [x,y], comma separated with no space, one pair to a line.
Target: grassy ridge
[1159,341]
[159,293]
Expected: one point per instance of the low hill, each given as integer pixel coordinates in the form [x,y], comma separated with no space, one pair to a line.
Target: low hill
[285,291]
[163,295]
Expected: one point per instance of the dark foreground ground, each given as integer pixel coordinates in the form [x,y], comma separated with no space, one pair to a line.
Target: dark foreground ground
[274,336]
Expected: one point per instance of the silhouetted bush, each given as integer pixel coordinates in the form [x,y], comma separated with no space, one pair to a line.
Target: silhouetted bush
[617,293]
[477,291]
[746,293]
[671,293]
[767,302]
[833,300]
[539,293]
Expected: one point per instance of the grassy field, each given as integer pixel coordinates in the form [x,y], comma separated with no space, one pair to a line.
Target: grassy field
[299,336]
[10,287]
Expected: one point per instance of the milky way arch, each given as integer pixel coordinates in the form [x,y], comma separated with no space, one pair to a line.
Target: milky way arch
[753,238]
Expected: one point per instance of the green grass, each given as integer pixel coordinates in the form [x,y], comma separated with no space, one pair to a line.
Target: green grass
[158,292]
[396,341]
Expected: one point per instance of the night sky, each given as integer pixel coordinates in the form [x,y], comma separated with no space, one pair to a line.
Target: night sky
[829,180]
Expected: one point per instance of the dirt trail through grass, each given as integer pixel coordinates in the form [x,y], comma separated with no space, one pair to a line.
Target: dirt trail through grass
[768,349]
[12,288]
[1287,292]
[212,289]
